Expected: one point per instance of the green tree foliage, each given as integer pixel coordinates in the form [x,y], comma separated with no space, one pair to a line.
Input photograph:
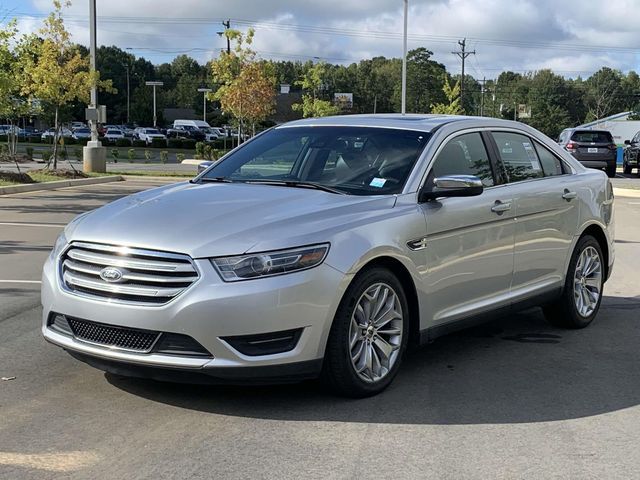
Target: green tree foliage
[452,94]
[313,84]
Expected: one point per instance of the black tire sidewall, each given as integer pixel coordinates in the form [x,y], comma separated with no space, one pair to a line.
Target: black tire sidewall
[338,355]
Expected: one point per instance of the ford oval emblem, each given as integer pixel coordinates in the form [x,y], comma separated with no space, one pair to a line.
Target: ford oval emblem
[111,274]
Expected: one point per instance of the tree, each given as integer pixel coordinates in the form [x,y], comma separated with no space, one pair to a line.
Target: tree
[453,97]
[247,87]
[548,96]
[605,94]
[54,70]
[312,83]
[424,81]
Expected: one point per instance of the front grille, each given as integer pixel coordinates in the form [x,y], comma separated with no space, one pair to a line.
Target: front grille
[125,274]
[110,336]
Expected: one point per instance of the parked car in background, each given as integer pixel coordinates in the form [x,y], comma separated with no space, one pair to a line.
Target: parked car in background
[113,134]
[630,155]
[77,125]
[204,165]
[50,133]
[592,148]
[82,133]
[327,246]
[5,129]
[148,134]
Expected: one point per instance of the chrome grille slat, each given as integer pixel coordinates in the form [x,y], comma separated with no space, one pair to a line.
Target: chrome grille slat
[126,262]
[133,276]
[146,277]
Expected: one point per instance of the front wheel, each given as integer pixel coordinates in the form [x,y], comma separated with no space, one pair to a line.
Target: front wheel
[626,169]
[582,293]
[611,171]
[368,336]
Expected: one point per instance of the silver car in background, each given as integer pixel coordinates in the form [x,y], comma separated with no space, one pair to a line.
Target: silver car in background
[326,247]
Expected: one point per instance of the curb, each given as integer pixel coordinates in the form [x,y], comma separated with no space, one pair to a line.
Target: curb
[146,178]
[192,161]
[626,192]
[35,187]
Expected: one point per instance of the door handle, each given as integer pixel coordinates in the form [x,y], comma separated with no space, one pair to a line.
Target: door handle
[568,195]
[501,207]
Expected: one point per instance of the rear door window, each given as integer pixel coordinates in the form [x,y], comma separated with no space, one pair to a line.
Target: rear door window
[592,137]
[518,156]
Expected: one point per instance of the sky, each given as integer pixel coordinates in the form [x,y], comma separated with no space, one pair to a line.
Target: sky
[572,37]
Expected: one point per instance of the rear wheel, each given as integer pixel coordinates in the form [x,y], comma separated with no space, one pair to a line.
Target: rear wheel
[626,168]
[582,293]
[368,336]
[611,171]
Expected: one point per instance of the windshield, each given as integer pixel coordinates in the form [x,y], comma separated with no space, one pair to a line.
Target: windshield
[152,132]
[355,160]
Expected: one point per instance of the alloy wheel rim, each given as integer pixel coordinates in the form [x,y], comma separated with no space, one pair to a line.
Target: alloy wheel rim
[375,332]
[587,282]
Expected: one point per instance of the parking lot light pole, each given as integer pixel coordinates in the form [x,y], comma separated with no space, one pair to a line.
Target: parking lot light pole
[154,85]
[94,155]
[204,92]
[404,59]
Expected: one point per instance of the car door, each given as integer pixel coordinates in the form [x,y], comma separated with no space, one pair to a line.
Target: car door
[469,242]
[546,213]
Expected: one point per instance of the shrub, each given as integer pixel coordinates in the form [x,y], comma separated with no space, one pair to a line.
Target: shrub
[30,153]
[34,139]
[174,143]
[219,143]
[131,153]
[180,157]
[115,154]
[46,154]
[123,142]
[82,141]
[138,143]
[77,153]
[188,144]
[63,153]
[200,150]
[4,138]
[164,156]
[68,141]
[158,143]
[148,155]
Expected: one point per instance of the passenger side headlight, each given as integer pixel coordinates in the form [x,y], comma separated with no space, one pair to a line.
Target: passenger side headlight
[61,242]
[255,265]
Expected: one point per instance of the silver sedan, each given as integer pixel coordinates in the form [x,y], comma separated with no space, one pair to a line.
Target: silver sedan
[326,247]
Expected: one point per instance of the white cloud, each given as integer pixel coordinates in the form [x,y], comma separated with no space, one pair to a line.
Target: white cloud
[515,34]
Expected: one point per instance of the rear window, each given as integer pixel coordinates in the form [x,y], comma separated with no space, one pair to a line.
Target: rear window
[592,137]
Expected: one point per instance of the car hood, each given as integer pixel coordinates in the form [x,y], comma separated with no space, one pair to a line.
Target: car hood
[214,219]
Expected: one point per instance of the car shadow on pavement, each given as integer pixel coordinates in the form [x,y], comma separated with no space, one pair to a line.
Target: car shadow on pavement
[516,369]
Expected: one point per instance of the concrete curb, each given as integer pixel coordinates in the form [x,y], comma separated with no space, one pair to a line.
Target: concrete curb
[146,178]
[35,187]
[192,161]
[626,192]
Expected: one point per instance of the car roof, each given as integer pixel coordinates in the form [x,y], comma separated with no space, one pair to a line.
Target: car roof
[420,122]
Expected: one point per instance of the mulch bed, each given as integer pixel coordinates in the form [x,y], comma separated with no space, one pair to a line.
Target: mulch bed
[61,173]
[16,177]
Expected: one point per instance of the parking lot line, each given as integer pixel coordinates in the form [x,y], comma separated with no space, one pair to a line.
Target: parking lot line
[24,224]
[21,281]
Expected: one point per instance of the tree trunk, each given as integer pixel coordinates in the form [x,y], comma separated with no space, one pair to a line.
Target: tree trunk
[56,136]
[12,145]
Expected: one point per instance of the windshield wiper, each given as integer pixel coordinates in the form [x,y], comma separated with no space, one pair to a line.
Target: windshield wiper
[216,180]
[297,184]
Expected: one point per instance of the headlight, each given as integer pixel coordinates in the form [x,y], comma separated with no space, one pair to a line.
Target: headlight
[245,267]
[61,242]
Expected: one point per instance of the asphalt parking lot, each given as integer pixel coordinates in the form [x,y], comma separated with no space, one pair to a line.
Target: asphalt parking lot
[515,398]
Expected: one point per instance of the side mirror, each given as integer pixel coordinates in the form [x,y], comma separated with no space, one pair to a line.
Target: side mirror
[452,186]
[627,142]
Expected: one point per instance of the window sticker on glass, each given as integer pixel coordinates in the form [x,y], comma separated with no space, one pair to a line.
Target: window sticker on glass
[378,182]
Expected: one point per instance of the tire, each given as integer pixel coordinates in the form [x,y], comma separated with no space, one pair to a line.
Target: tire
[567,312]
[347,337]
[611,171]
[626,168]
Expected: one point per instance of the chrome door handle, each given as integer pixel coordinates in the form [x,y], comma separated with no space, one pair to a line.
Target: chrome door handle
[501,207]
[568,195]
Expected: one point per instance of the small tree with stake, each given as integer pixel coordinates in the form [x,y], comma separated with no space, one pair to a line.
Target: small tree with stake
[54,70]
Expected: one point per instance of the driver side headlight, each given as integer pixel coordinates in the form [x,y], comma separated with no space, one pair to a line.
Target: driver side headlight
[267,264]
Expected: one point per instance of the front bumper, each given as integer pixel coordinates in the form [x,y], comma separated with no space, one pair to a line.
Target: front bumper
[208,311]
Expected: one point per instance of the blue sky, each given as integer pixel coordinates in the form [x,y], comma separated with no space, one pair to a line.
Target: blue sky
[519,35]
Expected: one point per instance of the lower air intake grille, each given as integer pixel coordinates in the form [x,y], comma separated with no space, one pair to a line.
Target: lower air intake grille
[109,336]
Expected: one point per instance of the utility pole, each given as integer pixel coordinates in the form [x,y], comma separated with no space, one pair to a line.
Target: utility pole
[404,59]
[227,26]
[154,85]
[204,92]
[463,54]
[128,96]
